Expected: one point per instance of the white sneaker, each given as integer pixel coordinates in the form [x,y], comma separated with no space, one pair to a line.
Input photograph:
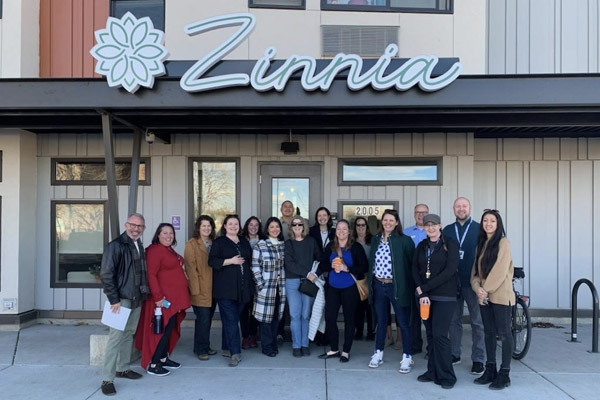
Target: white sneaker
[376,359]
[406,364]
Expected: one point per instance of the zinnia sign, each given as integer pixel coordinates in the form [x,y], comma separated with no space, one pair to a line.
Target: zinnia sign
[130,53]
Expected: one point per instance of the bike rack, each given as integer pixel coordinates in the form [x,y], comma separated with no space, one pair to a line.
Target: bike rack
[594,313]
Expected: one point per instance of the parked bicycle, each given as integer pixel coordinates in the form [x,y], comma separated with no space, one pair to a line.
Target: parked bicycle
[521,321]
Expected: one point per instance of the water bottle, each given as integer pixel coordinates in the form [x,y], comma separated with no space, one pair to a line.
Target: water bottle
[166,303]
[158,328]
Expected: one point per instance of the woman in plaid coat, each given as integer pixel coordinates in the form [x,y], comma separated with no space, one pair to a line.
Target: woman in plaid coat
[269,275]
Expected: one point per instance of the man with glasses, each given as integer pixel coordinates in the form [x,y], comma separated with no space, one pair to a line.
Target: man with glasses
[417,234]
[124,281]
[464,231]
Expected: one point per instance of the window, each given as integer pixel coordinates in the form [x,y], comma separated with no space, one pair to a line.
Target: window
[0,9]
[79,233]
[92,171]
[385,172]
[420,6]
[366,41]
[298,4]
[215,186]
[352,209]
[155,9]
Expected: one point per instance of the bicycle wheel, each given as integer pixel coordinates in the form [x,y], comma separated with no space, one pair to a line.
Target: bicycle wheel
[521,330]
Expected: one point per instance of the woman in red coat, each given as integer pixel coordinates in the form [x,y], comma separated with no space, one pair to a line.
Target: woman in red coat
[167,283]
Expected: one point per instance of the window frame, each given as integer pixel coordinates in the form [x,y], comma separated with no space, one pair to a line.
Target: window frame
[53,266]
[386,8]
[56,182]
[0,9]
[238,181]
[399,161]
[164,6]
[302,6]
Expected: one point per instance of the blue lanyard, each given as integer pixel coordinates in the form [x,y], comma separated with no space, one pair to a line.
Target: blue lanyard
[461,240]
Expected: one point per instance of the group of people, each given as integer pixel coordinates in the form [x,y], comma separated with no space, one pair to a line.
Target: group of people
[252,273]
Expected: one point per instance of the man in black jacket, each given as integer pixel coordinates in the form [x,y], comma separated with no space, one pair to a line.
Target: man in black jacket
[124,280]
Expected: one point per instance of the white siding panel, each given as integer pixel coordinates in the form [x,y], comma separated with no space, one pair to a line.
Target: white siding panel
[581,228]
[193,144]
[485,182]
[543,244]
[564,234]
[52,149]
[456,144]
[247,145]
[593,148]
[523,38]
[376,192]
[485,149]
[429,195]
[513,216]
[384,144]
[75,192]
[95,146]
[347,144]
[44,298]
[551,149]
[465,177]
[434,143]
[91,299]
[358,192]
[208,144]
[316,144]
[231,144]
[518,149]
[568,149]
[158,149]
[155,213]
[500,201]
[496,37]
[364,144]
[81,145]
[74,299]
[92,192]
[542,45]
[449,191]
[510,61]
[60,299]
[407,205]
[177,144]
[173,202]
[67,144]
[417,144]
[596,223]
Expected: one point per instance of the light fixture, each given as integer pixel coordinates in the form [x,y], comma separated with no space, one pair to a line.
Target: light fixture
[290,147]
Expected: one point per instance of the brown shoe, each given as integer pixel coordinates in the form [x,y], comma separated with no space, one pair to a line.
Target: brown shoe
[108,388]
[129,374]
[203,357]
[211,352]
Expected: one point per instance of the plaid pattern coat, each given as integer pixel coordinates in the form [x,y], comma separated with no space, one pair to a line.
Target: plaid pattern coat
[269,275]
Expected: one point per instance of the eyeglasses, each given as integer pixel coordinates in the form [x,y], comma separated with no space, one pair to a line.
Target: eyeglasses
[361,225]
[297,224]
[136,226]
[421,212]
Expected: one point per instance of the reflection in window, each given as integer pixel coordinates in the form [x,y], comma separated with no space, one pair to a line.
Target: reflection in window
[93,172]
[215,191]
[277,3]
[392,171]
[294,189]
[389,5]
[155,9]
[78,239]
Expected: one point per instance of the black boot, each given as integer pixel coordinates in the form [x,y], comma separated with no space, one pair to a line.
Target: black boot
[488,376]
[502,380]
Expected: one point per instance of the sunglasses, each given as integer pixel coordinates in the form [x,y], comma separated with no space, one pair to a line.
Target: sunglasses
[297,224]
[360,225]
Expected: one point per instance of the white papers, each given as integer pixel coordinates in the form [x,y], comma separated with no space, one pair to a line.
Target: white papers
[116,321]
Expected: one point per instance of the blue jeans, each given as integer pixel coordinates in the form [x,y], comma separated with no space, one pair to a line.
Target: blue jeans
[300,309]
[230,318]
[383,294]
[202,325]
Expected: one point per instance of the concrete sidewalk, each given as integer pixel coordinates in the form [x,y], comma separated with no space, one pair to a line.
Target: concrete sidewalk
[50,361]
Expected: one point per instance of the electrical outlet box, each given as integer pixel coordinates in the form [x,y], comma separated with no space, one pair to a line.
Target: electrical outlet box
[9,304]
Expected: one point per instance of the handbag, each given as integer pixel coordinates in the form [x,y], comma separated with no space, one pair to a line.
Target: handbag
[308,288]
[362,285]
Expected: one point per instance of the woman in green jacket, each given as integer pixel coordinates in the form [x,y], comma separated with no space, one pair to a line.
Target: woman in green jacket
[390,280]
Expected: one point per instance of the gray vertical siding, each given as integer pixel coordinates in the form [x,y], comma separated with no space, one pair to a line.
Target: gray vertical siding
[547,191]
[543,36]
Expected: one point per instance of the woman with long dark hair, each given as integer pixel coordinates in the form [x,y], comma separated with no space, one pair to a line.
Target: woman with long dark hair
[267,266]
[200,282]
[322,230]
[253,232]
[491,280]
[362,234]
[167,283]
[230,258]
[391,281]
[346,261]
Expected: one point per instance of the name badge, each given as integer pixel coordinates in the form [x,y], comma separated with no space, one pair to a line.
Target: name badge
[461,254]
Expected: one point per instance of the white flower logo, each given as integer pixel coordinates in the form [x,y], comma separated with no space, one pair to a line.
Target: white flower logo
[130,52]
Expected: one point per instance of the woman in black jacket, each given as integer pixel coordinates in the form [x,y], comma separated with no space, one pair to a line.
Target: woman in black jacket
[434,271]
[233,285]
[346,261]
[322,230]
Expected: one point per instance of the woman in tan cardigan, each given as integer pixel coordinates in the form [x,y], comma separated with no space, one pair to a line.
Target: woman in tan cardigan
[491,280]
[200,278]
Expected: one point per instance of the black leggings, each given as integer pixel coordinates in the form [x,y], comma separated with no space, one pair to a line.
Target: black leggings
[496,321]
[347,298]
[161,348]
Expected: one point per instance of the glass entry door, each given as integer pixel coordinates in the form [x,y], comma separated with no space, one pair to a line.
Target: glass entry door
[301,183]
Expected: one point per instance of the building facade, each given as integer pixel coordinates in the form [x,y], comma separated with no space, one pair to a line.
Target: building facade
[501,134]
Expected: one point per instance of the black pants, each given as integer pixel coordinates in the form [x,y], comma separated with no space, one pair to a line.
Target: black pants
[268,330]
[347,298]
[161,348]
[359,318]
[248,323]
[202,325]
[496,321]
[439,364]
[415,330]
